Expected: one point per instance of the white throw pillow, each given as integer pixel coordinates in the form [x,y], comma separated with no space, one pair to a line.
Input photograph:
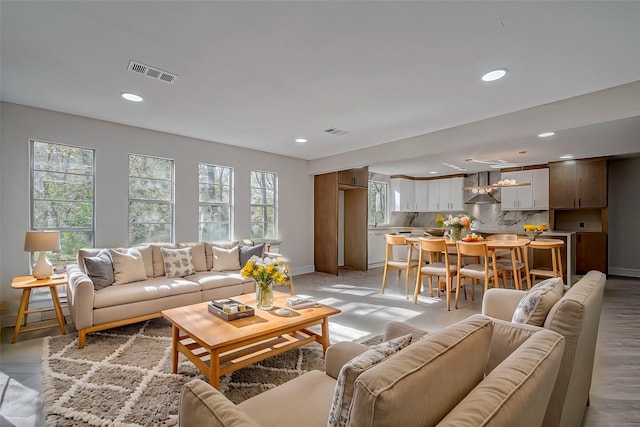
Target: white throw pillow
[128,265]
[225,259]
[177,262]
[535,305]
[197,254]
[343,394]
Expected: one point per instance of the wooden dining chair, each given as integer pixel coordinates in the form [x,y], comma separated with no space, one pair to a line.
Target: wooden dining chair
[438,265]
[478,269]
[555,247]
[399,263]
[505,261]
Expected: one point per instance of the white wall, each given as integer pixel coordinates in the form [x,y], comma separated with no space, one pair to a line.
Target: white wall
[112,143]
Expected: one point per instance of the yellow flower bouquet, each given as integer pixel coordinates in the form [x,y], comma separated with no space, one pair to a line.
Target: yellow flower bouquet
[266,272]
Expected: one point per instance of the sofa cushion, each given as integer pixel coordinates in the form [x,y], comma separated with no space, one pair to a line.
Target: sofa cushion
[341,402]
[197,254]
[145,290]
[212,280]
[247,252]
[128,265]
[225,259]
[147,258]
[158,261]
[177,262]
[535,304]
[426,379]
[100,269]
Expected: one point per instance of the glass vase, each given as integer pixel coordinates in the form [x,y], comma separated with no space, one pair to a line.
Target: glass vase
[456,234]
[264,295]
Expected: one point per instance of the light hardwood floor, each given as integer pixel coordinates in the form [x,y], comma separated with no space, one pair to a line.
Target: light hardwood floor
[615,390]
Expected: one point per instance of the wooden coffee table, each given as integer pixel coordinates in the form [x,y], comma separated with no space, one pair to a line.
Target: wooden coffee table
[218,347]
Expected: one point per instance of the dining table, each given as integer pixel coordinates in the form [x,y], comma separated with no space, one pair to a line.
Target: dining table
[493,246]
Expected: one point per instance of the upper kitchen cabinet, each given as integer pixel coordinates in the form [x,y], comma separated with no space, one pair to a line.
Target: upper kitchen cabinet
[421,195]
[528,197]
[402,195]
[354,177]
[578,184]
[445,195]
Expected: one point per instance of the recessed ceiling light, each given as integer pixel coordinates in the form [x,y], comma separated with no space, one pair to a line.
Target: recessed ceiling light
[494,75]
[566,156]
[131,97]
[546,134]
[301,140]
[433,172]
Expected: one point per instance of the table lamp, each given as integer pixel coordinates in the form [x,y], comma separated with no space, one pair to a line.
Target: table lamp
[42,241]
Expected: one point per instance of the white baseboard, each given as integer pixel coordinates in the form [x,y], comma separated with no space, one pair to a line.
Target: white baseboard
[625,272]
[302,270]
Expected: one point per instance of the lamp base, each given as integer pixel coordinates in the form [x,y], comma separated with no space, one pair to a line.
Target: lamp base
[43,269]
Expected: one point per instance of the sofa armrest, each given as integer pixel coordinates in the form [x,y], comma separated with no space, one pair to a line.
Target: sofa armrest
[340,353]
[203,406]
[507,337]
[501,303]
[397,329]
[80,292]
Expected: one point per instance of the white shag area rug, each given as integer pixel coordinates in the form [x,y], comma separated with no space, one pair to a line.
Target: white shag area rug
[123,377]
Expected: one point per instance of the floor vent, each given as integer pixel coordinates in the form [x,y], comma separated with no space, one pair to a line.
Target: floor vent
[337,132]
[153,72]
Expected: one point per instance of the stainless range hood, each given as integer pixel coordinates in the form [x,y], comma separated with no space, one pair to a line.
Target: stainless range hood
[482,198]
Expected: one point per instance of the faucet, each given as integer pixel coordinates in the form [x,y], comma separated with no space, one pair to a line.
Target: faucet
[375,217]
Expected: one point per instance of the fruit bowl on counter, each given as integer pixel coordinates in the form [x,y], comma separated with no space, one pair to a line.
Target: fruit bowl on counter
[532,231]
[473,237]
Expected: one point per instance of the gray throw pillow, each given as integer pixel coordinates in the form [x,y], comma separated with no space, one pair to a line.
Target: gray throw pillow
[247,252]
[100,269]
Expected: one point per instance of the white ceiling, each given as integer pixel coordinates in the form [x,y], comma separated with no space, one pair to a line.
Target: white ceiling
[260,74]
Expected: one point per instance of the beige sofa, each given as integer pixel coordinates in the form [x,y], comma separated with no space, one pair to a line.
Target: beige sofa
[93,309]
[456,376]
[576,317]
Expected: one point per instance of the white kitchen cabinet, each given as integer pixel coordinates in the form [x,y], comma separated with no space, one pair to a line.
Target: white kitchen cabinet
[402,195]
[376,248]
[422,195]
[528,197]
[445,195]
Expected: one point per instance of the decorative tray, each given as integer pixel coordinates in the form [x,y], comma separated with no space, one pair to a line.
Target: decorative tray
[229,309]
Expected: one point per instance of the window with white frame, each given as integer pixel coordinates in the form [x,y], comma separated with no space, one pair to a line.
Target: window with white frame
[62,195]
[215,202]
[378,206]
[150,199]
[264,205]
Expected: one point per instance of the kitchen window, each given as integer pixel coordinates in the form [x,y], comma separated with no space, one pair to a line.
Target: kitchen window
[264,205]
[378,206]
[215,202]
[150,199]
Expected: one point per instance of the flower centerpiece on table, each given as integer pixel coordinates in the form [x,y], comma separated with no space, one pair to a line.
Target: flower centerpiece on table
[456,224]
[266,272]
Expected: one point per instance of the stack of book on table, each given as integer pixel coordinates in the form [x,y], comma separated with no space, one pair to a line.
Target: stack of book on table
[301,302]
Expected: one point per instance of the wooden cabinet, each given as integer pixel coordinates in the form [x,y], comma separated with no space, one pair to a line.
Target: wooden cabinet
[327,222]
[421,195]
[402,195]
[445,195]
[354,177]
[591,252]
[528,197]
[578,184]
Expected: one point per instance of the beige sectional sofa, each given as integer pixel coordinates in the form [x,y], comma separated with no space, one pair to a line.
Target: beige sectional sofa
[140,288]
[479,371]
[576,316]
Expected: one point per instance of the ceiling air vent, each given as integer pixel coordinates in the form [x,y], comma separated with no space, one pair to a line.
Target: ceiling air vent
[337,132]
[153,72]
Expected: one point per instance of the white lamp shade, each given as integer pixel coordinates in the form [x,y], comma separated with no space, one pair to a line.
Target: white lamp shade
[36,241]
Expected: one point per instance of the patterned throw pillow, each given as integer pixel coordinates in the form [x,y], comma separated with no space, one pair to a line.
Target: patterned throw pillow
[535,305]
[177,262]
[343,394]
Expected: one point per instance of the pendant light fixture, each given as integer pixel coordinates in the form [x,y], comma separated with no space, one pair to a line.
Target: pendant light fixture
[488,188]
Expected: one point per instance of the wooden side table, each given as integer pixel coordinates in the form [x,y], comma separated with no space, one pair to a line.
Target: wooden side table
[27,283]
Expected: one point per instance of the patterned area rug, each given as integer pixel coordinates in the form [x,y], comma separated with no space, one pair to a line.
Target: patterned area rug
[123,377]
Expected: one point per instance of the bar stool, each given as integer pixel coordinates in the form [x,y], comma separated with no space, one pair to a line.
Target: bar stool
[553,245]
